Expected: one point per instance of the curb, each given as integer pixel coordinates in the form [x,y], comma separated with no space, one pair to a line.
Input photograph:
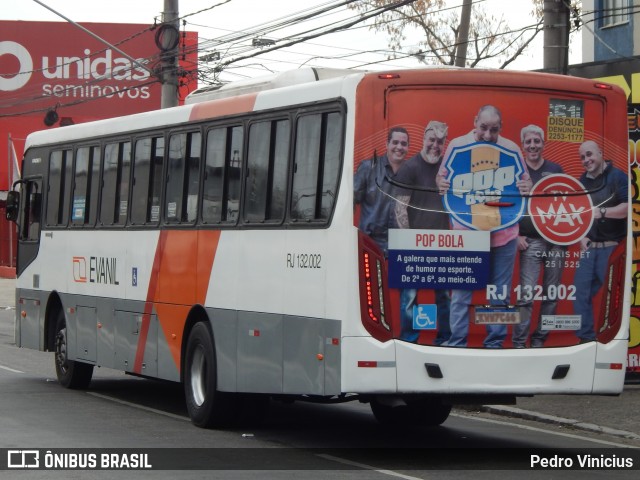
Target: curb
[551,419]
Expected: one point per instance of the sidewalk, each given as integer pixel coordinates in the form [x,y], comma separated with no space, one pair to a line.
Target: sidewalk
[613,415]
[618,416]
[7,293]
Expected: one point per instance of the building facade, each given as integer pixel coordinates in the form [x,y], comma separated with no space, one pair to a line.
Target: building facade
[609,30]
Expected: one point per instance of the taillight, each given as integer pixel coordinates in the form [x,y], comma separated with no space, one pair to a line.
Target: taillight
[603,86]
[374,296]
[613,295]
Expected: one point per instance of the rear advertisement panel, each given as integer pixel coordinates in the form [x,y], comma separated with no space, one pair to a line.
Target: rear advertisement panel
[501,213]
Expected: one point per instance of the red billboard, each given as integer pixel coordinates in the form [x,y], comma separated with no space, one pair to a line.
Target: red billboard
[58,67]
[65,69]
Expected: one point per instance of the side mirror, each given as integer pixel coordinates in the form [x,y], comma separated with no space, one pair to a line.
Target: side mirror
[13,203]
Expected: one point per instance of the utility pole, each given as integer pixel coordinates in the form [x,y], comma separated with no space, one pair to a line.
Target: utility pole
[556,36]
[167,40]
[462,39]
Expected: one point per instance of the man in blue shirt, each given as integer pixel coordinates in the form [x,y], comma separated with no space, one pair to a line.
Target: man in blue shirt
[609,190]
[373,192]
[422,209]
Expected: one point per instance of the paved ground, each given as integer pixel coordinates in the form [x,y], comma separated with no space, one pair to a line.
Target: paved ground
[7,293]
[618,416]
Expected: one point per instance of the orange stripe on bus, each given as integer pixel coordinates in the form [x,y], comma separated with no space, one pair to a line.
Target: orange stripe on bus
[148,306]
[180,279]
[224,106]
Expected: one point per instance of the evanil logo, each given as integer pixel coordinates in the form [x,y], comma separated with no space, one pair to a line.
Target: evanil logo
[8,84]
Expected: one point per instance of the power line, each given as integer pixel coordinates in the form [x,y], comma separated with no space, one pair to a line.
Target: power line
[323,32]
[305,39]
[243,52]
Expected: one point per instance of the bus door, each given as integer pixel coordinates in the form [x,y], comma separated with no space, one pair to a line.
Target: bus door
[30,211]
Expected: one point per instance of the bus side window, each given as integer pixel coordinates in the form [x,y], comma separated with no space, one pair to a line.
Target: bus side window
[94,186]
[267,162]
[331,163]
[147,180]
[115,183]
[214,175]
[317,163]
[192,180]
[35,209]
[233,173]
[85,186]
[155,189]
[124,175]
[80,184]
[59,189]
[29,227]
[183,177]
[223,164]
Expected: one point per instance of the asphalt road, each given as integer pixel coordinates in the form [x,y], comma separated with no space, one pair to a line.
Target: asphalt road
[120,411]
[618,416]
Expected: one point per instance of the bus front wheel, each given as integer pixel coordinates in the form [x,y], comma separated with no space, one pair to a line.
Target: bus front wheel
[70,374]
[207,406]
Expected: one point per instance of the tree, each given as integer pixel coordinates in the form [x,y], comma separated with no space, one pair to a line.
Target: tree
[436,23]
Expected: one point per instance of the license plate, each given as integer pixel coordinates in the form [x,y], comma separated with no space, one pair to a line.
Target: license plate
[497,315]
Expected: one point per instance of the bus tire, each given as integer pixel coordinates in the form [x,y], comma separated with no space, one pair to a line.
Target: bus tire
[385,414]
[207,406]
[429,412]
[71,374]
[425,412]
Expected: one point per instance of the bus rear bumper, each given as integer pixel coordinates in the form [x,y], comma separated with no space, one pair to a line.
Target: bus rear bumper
[404,368]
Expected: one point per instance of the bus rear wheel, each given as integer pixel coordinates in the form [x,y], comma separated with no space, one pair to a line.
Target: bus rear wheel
[425,412]
[71,374]
[207,406]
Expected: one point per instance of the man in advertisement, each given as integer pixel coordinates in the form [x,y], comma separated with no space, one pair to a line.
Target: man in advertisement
[372,191]
[422,209]
[487,128]
[609,189]
[534,249]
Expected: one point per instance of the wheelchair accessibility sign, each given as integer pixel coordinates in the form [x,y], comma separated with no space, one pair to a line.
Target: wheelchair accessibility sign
[425,317]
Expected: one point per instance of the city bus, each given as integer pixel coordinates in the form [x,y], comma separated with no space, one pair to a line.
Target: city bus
[269,240]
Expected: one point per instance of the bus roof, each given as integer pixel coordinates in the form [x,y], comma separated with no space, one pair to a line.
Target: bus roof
[240,97]
[267,82]
[203,103]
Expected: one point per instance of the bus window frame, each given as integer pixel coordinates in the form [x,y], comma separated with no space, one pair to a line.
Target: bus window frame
[65,148]
[335,106]
[22,223]
[188,130]
[98,186]
[151,135]
[243,121]
[120,141]
[272,119]
[228,127]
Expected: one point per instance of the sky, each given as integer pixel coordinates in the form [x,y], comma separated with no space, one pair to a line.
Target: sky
[342,50]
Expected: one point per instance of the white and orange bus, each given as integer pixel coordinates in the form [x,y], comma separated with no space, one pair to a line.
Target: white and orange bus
[268,239]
